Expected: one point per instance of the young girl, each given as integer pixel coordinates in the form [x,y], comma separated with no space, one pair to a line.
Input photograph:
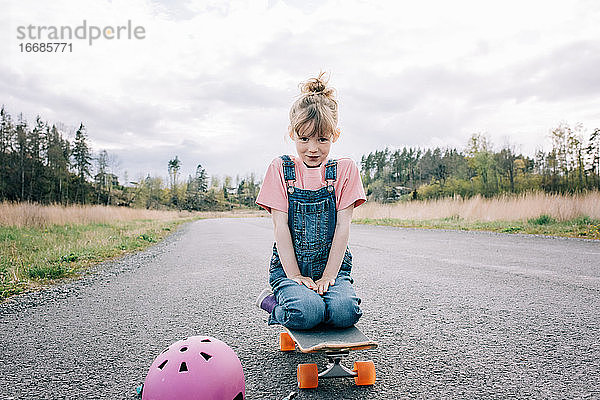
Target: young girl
[311,198]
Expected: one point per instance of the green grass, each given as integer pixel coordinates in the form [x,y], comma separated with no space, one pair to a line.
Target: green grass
[542,220]
[33,257]
[582,227]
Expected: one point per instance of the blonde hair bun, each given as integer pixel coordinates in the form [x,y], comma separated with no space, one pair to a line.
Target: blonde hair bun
[317,86]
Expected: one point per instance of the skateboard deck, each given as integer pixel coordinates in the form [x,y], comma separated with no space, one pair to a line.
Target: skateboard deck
[326,339]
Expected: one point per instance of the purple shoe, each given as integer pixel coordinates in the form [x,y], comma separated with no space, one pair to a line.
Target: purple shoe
[266,300]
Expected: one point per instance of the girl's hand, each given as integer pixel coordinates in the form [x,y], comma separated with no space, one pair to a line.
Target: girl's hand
[324,283]
[304,280]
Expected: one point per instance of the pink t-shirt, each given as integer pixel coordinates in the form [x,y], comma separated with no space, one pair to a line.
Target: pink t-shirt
[348,187]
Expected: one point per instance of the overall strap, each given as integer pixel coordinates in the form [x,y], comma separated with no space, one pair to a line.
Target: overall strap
[289,172]
[330,174]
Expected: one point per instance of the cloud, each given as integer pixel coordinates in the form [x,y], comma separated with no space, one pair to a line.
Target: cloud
[236,92]
[214,80]
[570,71]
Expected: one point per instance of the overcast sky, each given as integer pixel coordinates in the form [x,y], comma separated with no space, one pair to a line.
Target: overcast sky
[212,81]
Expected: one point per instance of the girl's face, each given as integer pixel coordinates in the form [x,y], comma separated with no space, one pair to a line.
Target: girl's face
[313,150]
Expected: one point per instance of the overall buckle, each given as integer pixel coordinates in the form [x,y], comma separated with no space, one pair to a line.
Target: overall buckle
[290,189]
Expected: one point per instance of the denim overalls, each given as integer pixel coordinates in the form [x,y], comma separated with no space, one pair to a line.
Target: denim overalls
[311,219]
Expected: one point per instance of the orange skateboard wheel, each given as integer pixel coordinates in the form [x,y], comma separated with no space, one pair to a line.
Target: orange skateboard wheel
[308,376]
[286,343]
[365,372]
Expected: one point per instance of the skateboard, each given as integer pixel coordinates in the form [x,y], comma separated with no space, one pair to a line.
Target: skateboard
[335,344]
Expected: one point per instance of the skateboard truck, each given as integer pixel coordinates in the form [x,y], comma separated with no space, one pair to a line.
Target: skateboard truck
[334,368]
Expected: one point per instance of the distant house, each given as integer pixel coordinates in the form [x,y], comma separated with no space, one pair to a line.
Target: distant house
[400,190]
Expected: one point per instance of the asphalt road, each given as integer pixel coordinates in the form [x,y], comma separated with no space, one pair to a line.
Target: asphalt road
[457,315]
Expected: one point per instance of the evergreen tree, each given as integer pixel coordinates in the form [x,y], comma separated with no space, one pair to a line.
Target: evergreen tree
[201,179]
[196,190]
[22,153]
[367,165]
[82,158]
[57,161]
[7,138]
[36,149]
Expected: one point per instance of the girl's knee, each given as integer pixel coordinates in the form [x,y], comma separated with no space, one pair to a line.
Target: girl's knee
[306,313]
[343,312]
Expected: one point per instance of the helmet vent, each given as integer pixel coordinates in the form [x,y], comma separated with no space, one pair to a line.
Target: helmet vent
[205,340]
[162,365]
[206,356]
[183,349]
[239,396]
[183,367]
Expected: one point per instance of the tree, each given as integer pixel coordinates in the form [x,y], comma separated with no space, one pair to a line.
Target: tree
[247,190]
[481,161]
[505,160]
[58,156]
[367,164]
[432,167]
[36,146]
[455,164]
[112,180]
[215,182]
[196,189]
[82,158]
[149,193]
[7,134]
[398,166]
[381,160]
[575,155]
[101,178]
[201,179]
[593,152]
[567,154]
[412,160]
[22,152]
[174,166]
[227,182]
[559,136]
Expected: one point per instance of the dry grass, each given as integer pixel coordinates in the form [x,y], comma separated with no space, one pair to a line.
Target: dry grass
[41,216]
[502,208]
[40,244]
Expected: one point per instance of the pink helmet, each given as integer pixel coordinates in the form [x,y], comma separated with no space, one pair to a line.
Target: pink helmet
[195,368]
